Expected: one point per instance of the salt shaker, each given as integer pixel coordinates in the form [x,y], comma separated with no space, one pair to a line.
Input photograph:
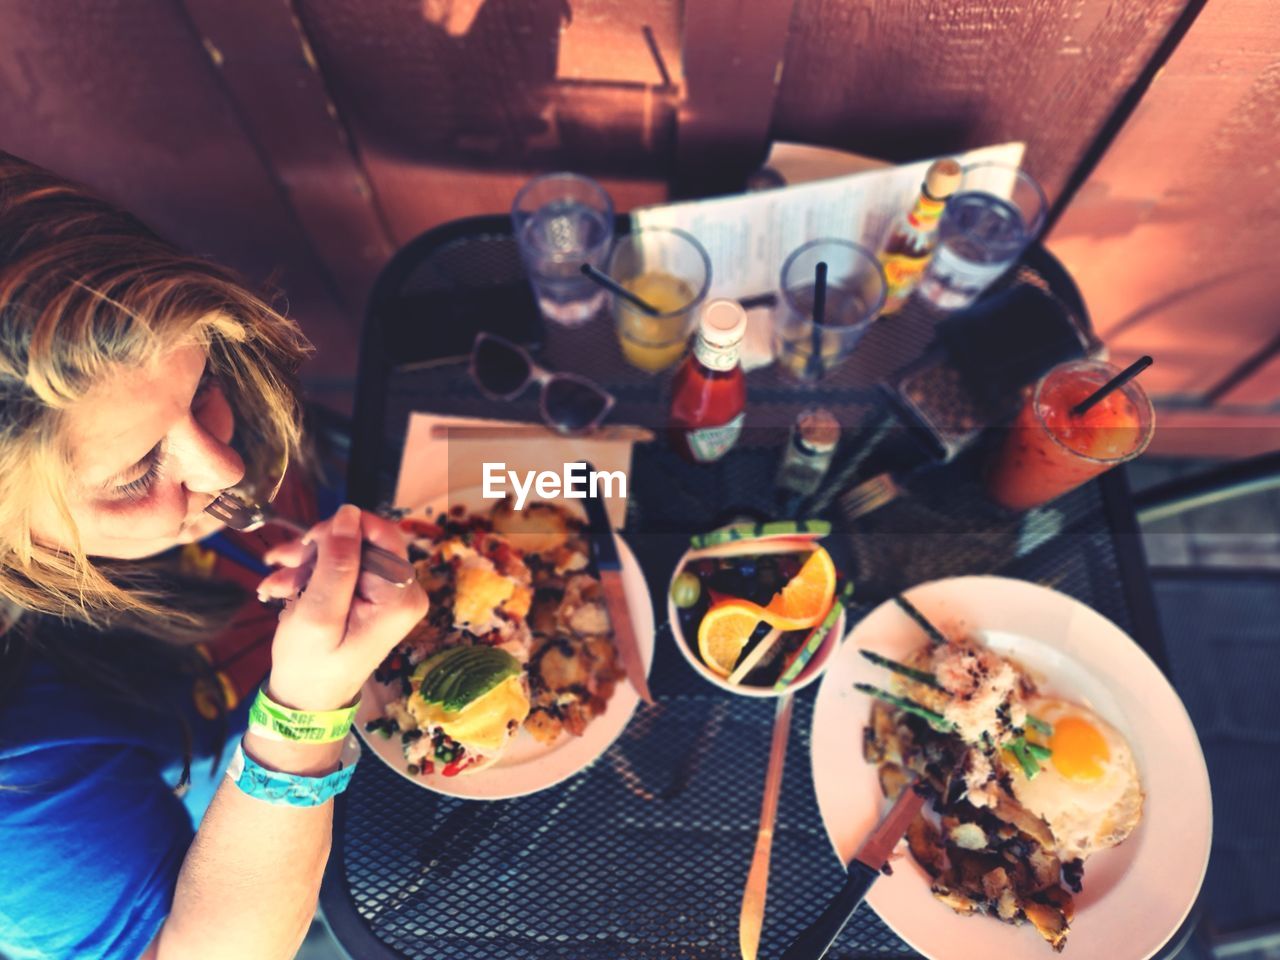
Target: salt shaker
[810,447]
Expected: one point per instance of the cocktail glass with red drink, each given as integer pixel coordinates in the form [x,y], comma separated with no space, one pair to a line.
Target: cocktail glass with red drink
[1050,449]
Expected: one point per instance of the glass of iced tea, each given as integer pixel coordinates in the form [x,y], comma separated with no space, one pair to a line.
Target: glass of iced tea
[1049,449]
[669,270]
[855,292]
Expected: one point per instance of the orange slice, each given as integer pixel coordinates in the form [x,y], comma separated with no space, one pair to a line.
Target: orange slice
[724,631]
[806,600]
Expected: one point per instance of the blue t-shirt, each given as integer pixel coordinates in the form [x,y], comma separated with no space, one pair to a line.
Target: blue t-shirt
[92,832]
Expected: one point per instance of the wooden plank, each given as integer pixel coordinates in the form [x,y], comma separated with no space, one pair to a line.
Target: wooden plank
[422,195]
[1261,389]
[122,98]
[605,40]
[1172,237]
[451,114]
[1199,332]
[1214,434]
[913,78]
[267,67]
[733,61]
[495,93]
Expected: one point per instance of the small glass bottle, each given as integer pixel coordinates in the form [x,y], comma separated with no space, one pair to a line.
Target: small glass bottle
[709,392]
[914,234]
[810,447]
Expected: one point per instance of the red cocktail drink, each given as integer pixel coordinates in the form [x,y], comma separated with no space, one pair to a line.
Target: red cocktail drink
[1049,450]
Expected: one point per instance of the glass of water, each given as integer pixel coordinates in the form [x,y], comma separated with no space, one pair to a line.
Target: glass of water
[986,225]
[561,221]
[855,292]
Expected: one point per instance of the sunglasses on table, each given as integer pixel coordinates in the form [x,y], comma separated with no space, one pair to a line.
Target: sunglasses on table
[569,403]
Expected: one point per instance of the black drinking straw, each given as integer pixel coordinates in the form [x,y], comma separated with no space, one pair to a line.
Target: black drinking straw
[1112,385]
[614,286]
[814,367]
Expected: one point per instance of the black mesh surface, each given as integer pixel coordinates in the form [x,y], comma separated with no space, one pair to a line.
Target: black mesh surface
[644,855]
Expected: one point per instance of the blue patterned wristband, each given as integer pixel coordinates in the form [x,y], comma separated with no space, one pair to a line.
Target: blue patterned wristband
[287,789]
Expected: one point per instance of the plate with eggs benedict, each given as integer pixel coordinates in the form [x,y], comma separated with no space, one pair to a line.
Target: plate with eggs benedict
[511,683]
[1068,805]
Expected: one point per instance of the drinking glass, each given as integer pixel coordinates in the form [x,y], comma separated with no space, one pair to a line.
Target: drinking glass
[670,271]
[561,221]
[855,293]
[1050,450]
[986,225]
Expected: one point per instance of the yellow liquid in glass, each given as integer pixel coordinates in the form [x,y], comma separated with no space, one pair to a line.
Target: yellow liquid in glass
[654,343]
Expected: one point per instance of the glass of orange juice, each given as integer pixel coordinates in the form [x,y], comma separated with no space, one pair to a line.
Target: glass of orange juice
[1049,449]
[669,270]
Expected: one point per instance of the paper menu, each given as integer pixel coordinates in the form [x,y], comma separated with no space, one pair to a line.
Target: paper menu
[748,236]
[431,467]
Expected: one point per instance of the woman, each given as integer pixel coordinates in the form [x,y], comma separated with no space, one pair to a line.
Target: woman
[136,384]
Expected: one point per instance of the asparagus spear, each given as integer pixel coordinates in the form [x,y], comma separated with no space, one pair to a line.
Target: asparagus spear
[1028,754]
[934,719]
[910,610]
[1028,763]
[919,676]
[929,680]
[1039,726]
[1037,751]
[1024,751]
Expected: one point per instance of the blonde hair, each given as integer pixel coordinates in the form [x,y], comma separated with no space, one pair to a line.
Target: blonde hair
[85,288]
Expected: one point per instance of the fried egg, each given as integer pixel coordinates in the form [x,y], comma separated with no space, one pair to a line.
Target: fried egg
[1088,792]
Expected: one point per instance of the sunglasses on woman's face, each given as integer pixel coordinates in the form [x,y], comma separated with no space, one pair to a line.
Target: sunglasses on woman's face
[570,403]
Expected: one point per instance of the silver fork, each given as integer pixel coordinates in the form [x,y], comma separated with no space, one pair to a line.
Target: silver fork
[240,514]
[868,496]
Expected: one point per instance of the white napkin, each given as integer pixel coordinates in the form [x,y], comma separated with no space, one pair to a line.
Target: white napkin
[432,467]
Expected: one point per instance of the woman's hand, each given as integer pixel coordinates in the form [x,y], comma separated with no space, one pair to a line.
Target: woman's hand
[336,633]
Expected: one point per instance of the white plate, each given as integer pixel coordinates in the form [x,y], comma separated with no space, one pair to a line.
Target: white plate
[1135,895]
[527,765]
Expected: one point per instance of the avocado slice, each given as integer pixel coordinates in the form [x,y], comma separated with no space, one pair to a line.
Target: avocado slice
[425,675]
[439,671]
[476,675]
[458,676]
[451,674]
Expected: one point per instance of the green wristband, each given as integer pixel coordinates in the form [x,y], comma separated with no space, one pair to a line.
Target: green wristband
[268,718]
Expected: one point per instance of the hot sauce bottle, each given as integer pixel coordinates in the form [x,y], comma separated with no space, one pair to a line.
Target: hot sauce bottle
[709,392]
[914,235]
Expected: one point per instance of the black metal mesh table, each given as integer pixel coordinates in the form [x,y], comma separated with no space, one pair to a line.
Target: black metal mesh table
[644,854]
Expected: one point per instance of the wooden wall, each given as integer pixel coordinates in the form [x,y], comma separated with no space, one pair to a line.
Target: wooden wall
[1175,236]
[913,78]
[123,96]
[452,104]
[307,139]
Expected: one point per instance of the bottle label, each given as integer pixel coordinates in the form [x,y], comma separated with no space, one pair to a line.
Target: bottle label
[902,272]
[926,213]
[717,358]
[712,443]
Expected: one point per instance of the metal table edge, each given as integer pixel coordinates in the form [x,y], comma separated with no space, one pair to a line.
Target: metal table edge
[1135,579]
[346,925]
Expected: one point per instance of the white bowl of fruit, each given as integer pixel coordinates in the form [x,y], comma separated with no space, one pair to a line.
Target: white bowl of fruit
[756,608]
